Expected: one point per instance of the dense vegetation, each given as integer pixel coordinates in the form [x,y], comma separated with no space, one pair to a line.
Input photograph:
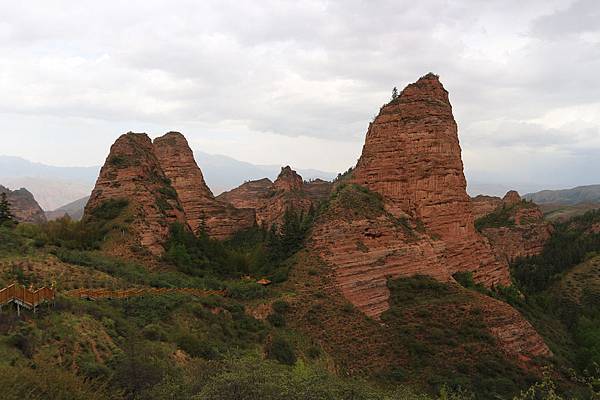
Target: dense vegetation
[256,252]
[432,318]
[569,245]
[183,347]
[561,292]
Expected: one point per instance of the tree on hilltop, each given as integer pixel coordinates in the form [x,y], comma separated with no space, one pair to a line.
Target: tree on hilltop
[394,93]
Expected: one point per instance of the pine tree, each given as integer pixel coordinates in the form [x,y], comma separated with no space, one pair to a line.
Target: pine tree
[394,93]
[5,213]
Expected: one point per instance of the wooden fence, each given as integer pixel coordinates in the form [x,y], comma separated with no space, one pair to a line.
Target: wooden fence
[30,299]
[24,297]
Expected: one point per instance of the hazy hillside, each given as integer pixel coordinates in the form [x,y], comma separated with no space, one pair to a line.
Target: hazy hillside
[74,210]
[577,195]
[54,187]
[224,173]
[477,184]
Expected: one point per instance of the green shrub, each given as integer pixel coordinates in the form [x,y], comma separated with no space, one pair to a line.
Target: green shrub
[110,209]
[281,350]
[154,332]
[168,191]
[501,217]
[118,161]
[245,290]
[280,306]
[196,347]
[277,320]
[49,382]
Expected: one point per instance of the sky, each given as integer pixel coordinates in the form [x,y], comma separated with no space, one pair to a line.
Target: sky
[297,82]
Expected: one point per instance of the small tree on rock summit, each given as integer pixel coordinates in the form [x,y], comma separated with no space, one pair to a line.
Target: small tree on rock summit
[394,93]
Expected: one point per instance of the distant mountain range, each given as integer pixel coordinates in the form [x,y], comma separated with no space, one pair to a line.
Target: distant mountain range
[577,195]
[56,188]
[51,186]
[74,210]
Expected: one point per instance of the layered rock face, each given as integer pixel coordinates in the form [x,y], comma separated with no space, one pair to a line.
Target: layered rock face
[365,246]
[483,205]
[202,211]
[405,212]
[524,232]
[133,173]
[163,184]
[252,194]
[514,334]
[412,157]
[288,180]
[23,206]
[270,200]
[318,190]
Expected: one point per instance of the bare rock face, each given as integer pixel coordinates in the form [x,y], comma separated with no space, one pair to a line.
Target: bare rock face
[202,211]
[271,200]
[24,206]
[520,232]
[483,205]
[288,180]
[252,194]
[133,173]
[412,157]
[365,246]
[515,335]
[511,198]
[318,190]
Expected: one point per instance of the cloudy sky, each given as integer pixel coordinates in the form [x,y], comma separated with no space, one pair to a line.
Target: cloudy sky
[297,82]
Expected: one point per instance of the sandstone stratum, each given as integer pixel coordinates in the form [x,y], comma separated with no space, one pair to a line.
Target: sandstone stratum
[514,227]
[202,211]
[404,211]
[161,184]
[23,205]
[270,200]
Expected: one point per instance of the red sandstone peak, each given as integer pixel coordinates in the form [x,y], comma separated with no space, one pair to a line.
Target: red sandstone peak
[288,180]
[412,157]
[511,198]
[427,87]
[271,200]
[527,234]
[133,172]
[177,160]
[24,206]
[202,210]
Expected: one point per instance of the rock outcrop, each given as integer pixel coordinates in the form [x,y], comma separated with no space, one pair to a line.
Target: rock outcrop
[515,335]
[132,173]
[412,157]
[405,211]
[23,206]
[288,180]
[365,246]
[162,184]
[202,211]
[515,228]
[484,205]
[251,194]
[271,200]
[318,190]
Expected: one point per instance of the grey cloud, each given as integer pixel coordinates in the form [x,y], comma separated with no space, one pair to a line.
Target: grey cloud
[312,68]
[579,17]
